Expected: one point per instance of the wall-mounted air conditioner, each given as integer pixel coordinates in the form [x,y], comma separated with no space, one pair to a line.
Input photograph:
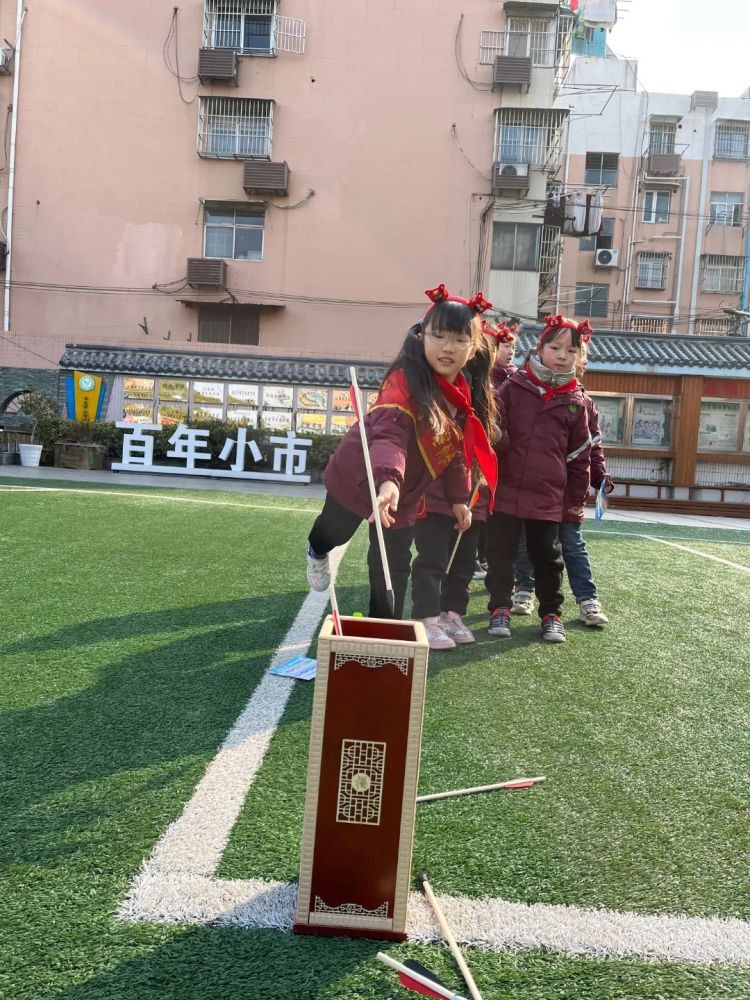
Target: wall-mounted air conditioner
[607,258]
[512,170]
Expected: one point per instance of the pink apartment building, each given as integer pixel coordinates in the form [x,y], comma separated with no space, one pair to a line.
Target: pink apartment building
[672,253]
[208,199]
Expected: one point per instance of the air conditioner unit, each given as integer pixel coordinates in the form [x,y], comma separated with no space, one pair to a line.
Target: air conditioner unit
[6,61]
[513,170]
[606,258]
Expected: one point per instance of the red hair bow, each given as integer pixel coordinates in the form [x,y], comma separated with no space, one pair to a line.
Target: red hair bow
[583,329]
[477,303]
[586,330]
[502,333]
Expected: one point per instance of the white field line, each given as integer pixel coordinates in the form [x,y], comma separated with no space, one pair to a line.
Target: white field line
[695,552]
[153,496]
[669,541]
[177,884]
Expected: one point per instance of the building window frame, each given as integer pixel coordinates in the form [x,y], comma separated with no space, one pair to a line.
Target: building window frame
[231,128]
[592,299]
[726,208]
[240,231]
[722,274]
[656,206]
[603,240]
[732,140]
[525,252]
[651,324]
[602,169]
[652,269]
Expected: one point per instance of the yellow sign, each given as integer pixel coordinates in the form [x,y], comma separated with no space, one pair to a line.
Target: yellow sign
[88,395]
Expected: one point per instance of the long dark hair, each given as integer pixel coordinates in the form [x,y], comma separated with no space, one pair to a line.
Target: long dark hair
[479,369]
[448,317]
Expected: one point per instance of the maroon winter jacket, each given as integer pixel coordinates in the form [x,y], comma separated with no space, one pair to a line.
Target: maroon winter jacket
[598,467]
[395,456]
[536,479]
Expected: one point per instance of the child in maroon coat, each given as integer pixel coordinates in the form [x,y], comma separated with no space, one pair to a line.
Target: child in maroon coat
[413,437]
[440,596]
[544,472]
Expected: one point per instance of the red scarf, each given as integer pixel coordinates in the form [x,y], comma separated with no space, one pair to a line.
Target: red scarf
[549,391]
[476,444]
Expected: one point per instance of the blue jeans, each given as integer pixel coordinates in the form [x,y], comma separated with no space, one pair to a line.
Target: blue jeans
[575,556]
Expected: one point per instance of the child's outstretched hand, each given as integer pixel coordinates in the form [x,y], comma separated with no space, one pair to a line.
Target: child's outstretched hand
[387,501]
[462,515]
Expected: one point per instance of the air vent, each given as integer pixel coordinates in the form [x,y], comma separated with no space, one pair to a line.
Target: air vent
[511,71]
[208,271]
[263,177]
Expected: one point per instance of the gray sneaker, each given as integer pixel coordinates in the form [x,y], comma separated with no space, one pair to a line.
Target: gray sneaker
[318,571]
[500,623]
[590,612]
[523,603]
[553,629]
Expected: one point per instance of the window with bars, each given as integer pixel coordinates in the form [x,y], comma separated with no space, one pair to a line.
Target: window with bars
[662,136]
[533,37]
[602,169]
[723,273]
[650,324]
[515,246]
[603,239]
[656,206]
[228,324]
[652,270]
[251,27]
[533,137]
[732,140]
[235,234]
[714,327]
[592,300]
[230,127]
[726,208]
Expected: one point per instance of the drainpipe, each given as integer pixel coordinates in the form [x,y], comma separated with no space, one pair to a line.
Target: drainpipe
[678,289]
[701,229]
[20,17]
[745,282]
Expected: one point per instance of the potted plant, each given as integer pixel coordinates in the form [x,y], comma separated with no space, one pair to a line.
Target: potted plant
[46,427]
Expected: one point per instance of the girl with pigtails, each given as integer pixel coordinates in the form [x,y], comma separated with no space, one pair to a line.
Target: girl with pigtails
[544,454]
[421,427]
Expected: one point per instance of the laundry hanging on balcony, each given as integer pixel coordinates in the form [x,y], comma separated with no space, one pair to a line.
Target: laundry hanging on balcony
[577,213]
[600,13]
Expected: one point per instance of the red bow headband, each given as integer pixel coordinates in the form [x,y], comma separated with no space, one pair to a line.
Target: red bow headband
[502,333]
[584,329]
[477,303]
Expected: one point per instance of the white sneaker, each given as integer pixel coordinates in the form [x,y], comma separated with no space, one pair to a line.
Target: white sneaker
[318,571]
[436,637]
[523,603]
[452,626]
[590,612]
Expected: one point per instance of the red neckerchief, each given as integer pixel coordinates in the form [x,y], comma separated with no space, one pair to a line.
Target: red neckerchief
[549,391]
[476,443]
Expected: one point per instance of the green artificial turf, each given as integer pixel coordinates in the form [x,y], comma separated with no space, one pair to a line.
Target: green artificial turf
[134,632]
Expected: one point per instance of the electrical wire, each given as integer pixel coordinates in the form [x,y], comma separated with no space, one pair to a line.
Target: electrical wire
[457,49]
[175,71]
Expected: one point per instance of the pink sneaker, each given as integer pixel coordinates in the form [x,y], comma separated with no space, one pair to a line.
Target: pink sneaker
[451,624]
[436,637]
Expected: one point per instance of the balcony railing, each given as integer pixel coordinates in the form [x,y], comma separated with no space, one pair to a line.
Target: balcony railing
[529,136]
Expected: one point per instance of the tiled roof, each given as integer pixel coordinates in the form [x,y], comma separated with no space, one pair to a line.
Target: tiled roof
[661,353]
[615,351]
[240,367]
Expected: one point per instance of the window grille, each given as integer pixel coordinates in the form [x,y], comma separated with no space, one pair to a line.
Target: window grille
[251,27]
[714,327]
[228,324]
[652,270]
[732,140]
[726,208]
[723,273]
[533,137]
[662,138]
[235,127]
[650,324]
[550,252]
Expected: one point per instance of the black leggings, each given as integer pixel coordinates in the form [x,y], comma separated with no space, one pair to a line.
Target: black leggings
[336,525]
[503,533]
[432,591]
